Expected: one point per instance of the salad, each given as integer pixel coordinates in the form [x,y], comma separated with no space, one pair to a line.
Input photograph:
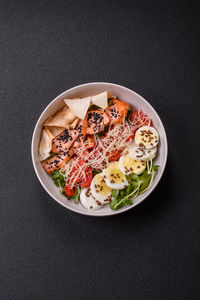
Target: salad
[100,151]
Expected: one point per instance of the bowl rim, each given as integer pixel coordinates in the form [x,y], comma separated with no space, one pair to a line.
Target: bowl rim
[89,213]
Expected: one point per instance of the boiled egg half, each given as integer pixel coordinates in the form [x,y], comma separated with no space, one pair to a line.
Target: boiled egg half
[142,154]
[146,137]
[114,177]
[88,201]
[100,190]
[129,165]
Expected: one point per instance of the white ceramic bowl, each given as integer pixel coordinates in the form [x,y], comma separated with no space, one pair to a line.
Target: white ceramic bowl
[81,91]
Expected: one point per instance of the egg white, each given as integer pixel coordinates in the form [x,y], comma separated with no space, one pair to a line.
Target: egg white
[142,154]
[89,202]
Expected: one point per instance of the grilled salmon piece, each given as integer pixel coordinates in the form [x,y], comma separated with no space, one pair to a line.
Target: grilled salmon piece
[117,111]
[96,121]
[64,140]
[57,161]
[79,140]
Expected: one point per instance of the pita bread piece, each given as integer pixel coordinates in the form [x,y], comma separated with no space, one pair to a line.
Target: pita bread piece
[79,106]
[101,100]
[45,145]
[61,119]
[54,131]
[74,123]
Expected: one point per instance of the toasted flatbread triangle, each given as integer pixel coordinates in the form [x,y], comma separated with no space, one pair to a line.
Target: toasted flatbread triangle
[62,118]
[101,100]
[79,106]
[74,123]
[49,132]
[54,131]
[45,145]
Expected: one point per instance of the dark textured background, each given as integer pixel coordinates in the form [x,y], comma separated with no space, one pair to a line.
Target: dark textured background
[48,252]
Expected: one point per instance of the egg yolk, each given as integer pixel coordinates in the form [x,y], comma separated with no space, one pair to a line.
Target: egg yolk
[100,185]
[131,165]
[114,174]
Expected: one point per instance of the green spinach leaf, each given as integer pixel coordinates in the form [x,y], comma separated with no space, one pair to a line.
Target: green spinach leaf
[145,180]
[113,203]
[77,196]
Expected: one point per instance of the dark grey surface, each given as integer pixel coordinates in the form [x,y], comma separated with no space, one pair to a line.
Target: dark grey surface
[48,252]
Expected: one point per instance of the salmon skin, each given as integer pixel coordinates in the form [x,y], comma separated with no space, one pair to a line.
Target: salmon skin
[117,111]
[57,161]
[64,140]
[96,121]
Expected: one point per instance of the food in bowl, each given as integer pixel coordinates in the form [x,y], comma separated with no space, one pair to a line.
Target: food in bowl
[100,151]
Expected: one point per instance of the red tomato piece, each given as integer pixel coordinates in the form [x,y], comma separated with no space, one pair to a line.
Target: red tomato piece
[87,181]
[69,191]
[75,170]
[131,136]
[83,156]
[96,153]
[115,155]
[140,119]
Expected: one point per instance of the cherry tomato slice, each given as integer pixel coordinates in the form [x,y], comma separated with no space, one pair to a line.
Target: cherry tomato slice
[131,136]
[69,191]
[75,170]
[87,181]
[137,116]
[96,153]
[83,156]
[115,155]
